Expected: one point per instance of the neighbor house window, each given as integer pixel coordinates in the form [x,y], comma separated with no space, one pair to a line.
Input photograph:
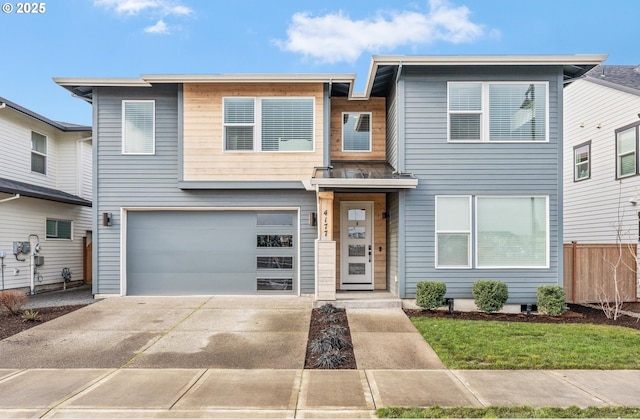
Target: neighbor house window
[356,131]
[512,232]
[38,153]
[453,231]
[627,151]
[138,127]
[582,161]
[497,111]
[59,229]
[268,124]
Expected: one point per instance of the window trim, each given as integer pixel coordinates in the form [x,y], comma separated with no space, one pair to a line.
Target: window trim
[485,117]
[370,148]
[153,130]
[45,154]
[636,127]
[588,162]
[58,220]
[257,124]
[469,233]
[547,238]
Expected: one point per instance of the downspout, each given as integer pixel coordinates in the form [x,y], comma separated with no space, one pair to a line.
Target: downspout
[11,198]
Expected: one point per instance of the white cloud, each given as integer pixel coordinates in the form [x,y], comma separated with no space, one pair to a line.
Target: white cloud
[135,7]
[159,28]
[336,37]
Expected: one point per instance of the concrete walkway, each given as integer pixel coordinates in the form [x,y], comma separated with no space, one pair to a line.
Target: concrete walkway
[244,357]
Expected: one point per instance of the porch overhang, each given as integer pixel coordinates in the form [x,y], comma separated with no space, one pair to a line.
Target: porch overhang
[362,175]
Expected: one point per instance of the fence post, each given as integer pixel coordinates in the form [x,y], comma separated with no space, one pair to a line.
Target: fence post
[574,264]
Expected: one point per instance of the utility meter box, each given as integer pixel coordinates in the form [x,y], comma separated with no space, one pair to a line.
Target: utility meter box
[21,247]
[38,260]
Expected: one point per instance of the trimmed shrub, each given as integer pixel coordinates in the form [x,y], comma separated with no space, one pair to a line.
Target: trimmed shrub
[551,300]
[13,301]
[430,294]
[490,296]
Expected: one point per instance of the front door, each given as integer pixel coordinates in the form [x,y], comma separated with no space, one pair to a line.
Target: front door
[356,242]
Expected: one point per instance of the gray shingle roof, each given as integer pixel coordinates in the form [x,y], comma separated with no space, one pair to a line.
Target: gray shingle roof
[63,126]
[33,191]
[622,77]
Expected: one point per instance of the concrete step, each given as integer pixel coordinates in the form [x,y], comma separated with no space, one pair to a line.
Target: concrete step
[367,303]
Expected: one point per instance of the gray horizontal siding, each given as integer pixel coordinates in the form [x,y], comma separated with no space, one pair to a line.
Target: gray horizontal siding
[152,181]
[474,169]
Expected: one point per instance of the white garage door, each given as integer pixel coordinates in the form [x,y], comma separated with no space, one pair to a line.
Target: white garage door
[211,252]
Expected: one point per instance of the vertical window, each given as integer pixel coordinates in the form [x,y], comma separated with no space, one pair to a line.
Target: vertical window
[356,131]
[138,127]
[512,232]
[38,153]
[239,122]
[626,152]
[453,231]
[497,111]
[59,229]
[582,161]
[465,111]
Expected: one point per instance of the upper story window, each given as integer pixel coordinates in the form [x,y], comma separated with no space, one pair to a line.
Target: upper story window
[627,151]
[582,161]
[498,111]
[59,229]
[38,153]
[138,127]
[268,124]
[356,131]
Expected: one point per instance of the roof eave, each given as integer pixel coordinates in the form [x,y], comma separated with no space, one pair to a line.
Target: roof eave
[366,183]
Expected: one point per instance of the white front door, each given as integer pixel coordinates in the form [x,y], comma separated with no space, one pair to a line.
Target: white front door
[356,243]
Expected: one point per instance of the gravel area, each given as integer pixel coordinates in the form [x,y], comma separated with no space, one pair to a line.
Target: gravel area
[70,297]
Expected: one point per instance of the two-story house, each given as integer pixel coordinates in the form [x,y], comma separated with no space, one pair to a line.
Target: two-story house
[601,182]
[45,199]
[444,168]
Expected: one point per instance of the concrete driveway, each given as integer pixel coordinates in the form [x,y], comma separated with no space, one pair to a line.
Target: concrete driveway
[169,332]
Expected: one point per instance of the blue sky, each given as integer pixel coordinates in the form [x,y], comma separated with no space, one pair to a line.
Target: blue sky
[126,38]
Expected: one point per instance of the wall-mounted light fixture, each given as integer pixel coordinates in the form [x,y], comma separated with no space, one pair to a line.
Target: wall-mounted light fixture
[106,219]
[313,219]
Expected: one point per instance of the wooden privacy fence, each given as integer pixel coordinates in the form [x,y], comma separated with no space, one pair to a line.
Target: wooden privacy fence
[588,274]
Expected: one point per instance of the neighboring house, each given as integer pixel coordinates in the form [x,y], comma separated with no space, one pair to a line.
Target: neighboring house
[45,198]
[445,168]
[601,182]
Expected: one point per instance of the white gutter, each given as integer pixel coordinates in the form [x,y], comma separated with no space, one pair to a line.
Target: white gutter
[3,105]
[11,198]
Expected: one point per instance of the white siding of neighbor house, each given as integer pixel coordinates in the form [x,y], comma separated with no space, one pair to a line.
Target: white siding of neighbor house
[592,206]
[24,216]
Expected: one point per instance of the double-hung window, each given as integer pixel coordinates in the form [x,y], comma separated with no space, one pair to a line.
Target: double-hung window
[498,111]
[453,231]
[138,127]
[38,153]
[509,232]
[268,124]
[582,161]
[627,151]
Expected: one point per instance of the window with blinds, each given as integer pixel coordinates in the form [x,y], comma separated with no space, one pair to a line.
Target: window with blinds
[138,127]
[38,153]
[498,111]
[453,231]
[356,131]
[268,124]
[626,151]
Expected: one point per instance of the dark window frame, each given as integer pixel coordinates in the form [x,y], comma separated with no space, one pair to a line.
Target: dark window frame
[575,164]
[636,127]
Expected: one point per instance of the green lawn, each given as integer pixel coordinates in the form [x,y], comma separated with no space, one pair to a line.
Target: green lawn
[469,344]
[508,412]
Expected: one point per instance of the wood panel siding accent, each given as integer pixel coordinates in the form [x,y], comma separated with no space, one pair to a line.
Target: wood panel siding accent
[593,276]
[443,168]
[379,229]
[204,158]
[377,107]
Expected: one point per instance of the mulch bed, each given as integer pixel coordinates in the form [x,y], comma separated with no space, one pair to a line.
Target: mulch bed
[316,328]
[575,314]
[10,324]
